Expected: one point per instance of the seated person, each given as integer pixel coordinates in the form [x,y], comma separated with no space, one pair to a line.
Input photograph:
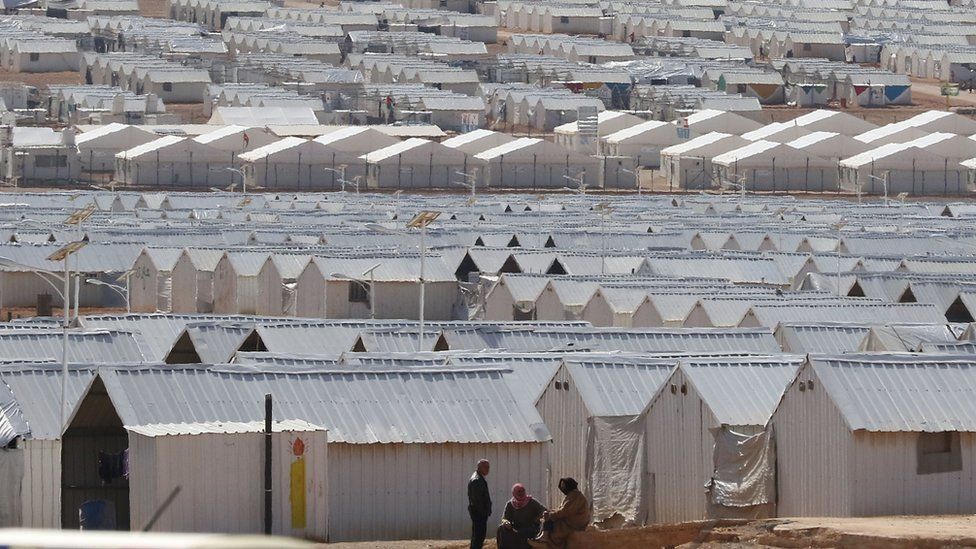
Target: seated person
[572,516]
[521,521]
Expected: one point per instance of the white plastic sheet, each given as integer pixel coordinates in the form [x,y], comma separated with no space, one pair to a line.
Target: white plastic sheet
[615,468]
[745,465]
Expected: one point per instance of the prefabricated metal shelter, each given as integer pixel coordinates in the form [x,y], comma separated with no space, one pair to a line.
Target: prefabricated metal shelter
[192,276]
[427,425]
[31,431]
[150,282]
[532,163]
[416,164]
[708,455]
[235,282]
[590,406]
[338,288]
[881,435]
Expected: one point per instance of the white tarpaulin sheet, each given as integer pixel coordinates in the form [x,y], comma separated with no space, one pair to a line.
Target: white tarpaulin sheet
[615,468]
[744,474]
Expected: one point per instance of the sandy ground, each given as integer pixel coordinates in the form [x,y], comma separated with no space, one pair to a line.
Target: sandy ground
[875,533]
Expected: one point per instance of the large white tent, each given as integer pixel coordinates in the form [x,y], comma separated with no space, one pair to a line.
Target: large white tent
[689,165]
[417,164]
[532,163]
[643,141]
[771,166]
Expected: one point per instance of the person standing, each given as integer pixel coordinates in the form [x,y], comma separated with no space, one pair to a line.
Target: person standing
[479,504]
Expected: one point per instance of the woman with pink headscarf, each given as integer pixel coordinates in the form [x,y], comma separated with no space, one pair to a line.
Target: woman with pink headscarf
[521,521]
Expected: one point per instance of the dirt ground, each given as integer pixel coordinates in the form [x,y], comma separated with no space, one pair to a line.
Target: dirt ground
[863,533]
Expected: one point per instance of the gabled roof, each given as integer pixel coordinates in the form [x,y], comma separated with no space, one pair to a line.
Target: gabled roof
[891,393]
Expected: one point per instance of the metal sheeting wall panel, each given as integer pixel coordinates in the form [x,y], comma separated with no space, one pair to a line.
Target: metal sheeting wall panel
[885,479]
[814,453]
[679,457]
[221,479]
[41,487]
[565,413]
[417,491]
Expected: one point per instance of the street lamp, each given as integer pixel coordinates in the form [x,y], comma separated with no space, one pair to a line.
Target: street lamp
[243,178]
[470,181]
[421,220]
[605,210]
[884,182]
[837,227]
[368,286]
[580,182]
[356,180]
[636,175]
[63,254]
[122,291]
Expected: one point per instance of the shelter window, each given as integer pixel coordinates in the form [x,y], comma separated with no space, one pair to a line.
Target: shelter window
[564,19]
[740,88]
[49,161]
[167,86]
[35,57]
[807,47]
[358,293]
[939,452]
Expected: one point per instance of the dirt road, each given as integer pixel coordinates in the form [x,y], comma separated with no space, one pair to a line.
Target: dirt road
[849,533]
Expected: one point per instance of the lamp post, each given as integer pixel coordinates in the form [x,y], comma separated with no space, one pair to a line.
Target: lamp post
[369,286]
[243,178]
[884,182]
[63,254]
[340,171]
[421,220]
[837,227]
[470,182]
[580,182]
[605,210]
[636,175]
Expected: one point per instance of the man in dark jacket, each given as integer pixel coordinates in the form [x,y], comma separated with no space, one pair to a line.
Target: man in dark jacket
[479,504]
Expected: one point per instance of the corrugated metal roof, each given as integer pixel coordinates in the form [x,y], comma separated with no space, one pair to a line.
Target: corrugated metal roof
[364,407]
[220,427]
[37,390]
[12,422]
[886,393]
[822,338]
[618,387]
[84,347]
[742,391]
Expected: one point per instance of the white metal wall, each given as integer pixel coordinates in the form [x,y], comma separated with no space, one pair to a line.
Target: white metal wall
[564,412]
[419,491]
[679,453]
[143,286]
[221,480]
[41,487]
[225,288]
[814,451]
[885,479]
[499,304]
